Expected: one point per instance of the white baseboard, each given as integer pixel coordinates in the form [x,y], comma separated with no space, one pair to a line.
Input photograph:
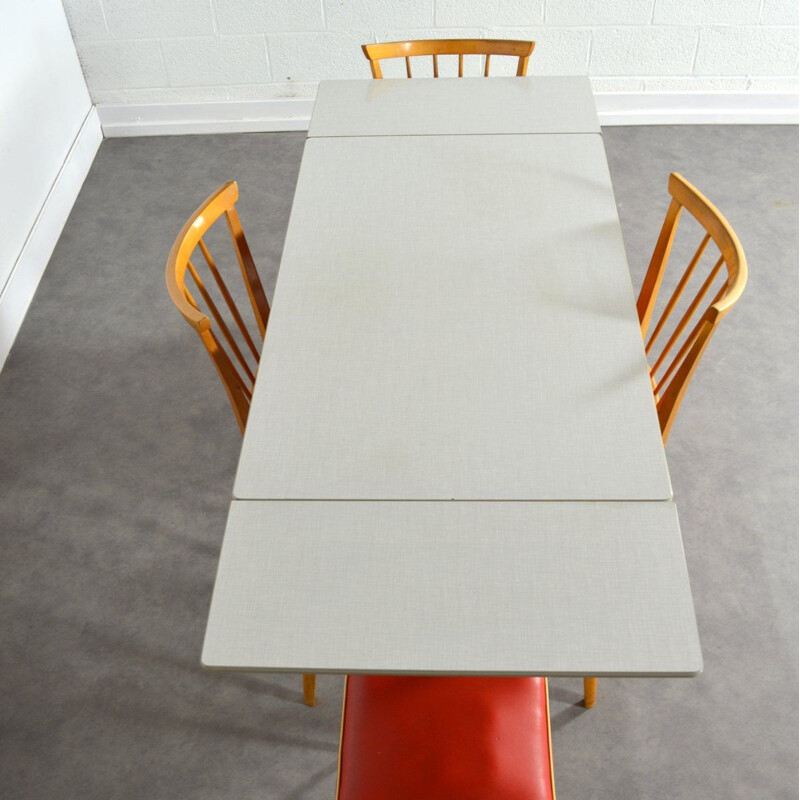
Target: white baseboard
[614,108]
[232,116]
[697,108]
[16,295]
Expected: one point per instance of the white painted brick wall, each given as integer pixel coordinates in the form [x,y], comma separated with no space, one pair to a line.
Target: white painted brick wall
[308,56]
[123,65]
[171,51]
[86,20]
[651,50]
[688,12]
[754,51]
[455,13]
[599,12]
[227,60]
[360,15]
[158,19]
[268,16]
[780,12]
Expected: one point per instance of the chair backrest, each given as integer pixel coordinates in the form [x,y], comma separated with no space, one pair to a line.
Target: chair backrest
[438,47]
[236,372]
[670,374]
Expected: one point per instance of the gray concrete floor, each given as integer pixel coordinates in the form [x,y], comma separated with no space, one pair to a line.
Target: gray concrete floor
[117,455]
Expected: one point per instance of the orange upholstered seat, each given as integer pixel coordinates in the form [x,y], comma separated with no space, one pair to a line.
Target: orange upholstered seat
[445,738]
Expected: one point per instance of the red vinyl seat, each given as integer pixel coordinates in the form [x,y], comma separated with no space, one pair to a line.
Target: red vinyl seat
[445,738]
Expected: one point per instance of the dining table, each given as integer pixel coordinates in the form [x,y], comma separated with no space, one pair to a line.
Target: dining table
[452,463]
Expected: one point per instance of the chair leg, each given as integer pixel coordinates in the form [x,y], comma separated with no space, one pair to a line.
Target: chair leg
[589,692]
[309,690]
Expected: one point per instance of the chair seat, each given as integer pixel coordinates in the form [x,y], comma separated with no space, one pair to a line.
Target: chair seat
[445,738]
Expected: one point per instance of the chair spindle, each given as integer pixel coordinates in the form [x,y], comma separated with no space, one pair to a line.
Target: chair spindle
[212,267]
[226,332]
[678,291]
[690,340]
[689,312]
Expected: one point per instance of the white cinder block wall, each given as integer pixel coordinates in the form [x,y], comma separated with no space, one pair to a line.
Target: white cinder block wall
[179,51]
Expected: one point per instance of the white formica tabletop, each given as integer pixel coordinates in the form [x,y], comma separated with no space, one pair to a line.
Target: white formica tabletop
[453,319]
[454,106]
[457,588]
[453,326]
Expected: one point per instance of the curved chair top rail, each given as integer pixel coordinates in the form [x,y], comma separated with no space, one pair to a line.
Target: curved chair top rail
[219,203]
[212,208]
[711,218]
[670,374]
[375,53]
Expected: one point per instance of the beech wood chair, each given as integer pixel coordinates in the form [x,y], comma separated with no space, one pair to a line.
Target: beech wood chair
[445,738]
[670,374]
[375,53]
[236,371]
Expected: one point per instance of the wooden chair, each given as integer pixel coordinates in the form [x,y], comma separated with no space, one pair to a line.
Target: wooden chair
[672,369]
[236,371]
[440,47]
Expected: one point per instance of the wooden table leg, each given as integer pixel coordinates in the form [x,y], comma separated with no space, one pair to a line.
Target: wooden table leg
[589,692]
[309,690]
